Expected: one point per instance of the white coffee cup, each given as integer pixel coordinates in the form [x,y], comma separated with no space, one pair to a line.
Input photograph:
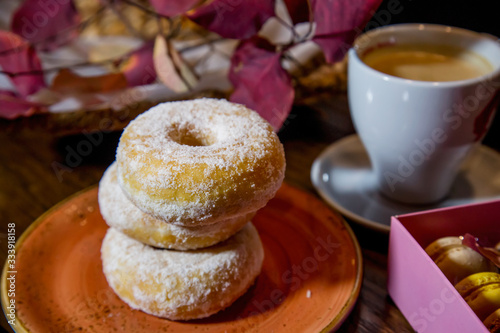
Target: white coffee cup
[417,133]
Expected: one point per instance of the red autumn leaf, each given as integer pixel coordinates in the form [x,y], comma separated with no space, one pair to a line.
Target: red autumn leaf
[48,22]
[69,82]
[18,56]
[173,7]
[260,82]
[338,22]
[490,253]
[298,10]
[139,67]
[12,106]
[233,19]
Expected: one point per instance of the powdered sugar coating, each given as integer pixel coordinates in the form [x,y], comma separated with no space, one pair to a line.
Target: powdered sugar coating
[120,213]
[199,161]
[181,285]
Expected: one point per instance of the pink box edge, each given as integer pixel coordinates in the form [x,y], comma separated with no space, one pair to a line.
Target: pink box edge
[456,314]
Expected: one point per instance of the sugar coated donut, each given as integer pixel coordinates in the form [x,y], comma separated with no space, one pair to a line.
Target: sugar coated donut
[120,213]
[181,285]
[199,161]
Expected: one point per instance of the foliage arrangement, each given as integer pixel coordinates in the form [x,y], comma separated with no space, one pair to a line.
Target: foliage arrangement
[256,71]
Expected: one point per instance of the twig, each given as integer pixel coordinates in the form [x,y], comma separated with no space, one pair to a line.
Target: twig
[311,19]
[175,27]
[125,21]
[56,69]
[203,43]
[290,27]
[206,56]
[307,36]
[144,8]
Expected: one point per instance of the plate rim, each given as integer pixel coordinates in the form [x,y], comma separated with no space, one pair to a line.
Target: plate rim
[353,298]
[3,284]
[332,202]
[334,324]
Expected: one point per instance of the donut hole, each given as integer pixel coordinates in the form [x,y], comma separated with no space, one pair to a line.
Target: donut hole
[191,140]
[189,136]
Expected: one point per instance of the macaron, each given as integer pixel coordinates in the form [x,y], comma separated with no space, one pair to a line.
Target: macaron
[492,322]
[456,260]
[482,292]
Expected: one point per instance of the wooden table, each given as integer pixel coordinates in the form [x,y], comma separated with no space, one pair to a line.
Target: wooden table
[38,169]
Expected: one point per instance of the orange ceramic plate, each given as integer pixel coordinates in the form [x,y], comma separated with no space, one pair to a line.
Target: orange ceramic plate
[310,280]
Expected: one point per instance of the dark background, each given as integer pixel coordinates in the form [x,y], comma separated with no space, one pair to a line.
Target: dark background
[477,15]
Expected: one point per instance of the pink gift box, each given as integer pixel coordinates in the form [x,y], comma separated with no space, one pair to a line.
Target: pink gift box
[420,290]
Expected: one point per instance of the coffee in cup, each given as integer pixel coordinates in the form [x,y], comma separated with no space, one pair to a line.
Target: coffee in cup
[427,62]
[421,97]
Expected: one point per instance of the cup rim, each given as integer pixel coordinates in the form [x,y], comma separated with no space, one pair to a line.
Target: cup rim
[353,52]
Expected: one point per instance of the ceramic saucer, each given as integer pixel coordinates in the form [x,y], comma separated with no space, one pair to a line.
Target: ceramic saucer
[342,175]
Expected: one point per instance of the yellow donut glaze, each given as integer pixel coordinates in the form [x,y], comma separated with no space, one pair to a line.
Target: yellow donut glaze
[120,213]
[181,285]
[197,162]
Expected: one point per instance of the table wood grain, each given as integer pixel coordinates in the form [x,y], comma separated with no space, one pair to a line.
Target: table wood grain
[39,168]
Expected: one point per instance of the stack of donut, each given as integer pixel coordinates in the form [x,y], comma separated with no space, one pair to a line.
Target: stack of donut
[188,178]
